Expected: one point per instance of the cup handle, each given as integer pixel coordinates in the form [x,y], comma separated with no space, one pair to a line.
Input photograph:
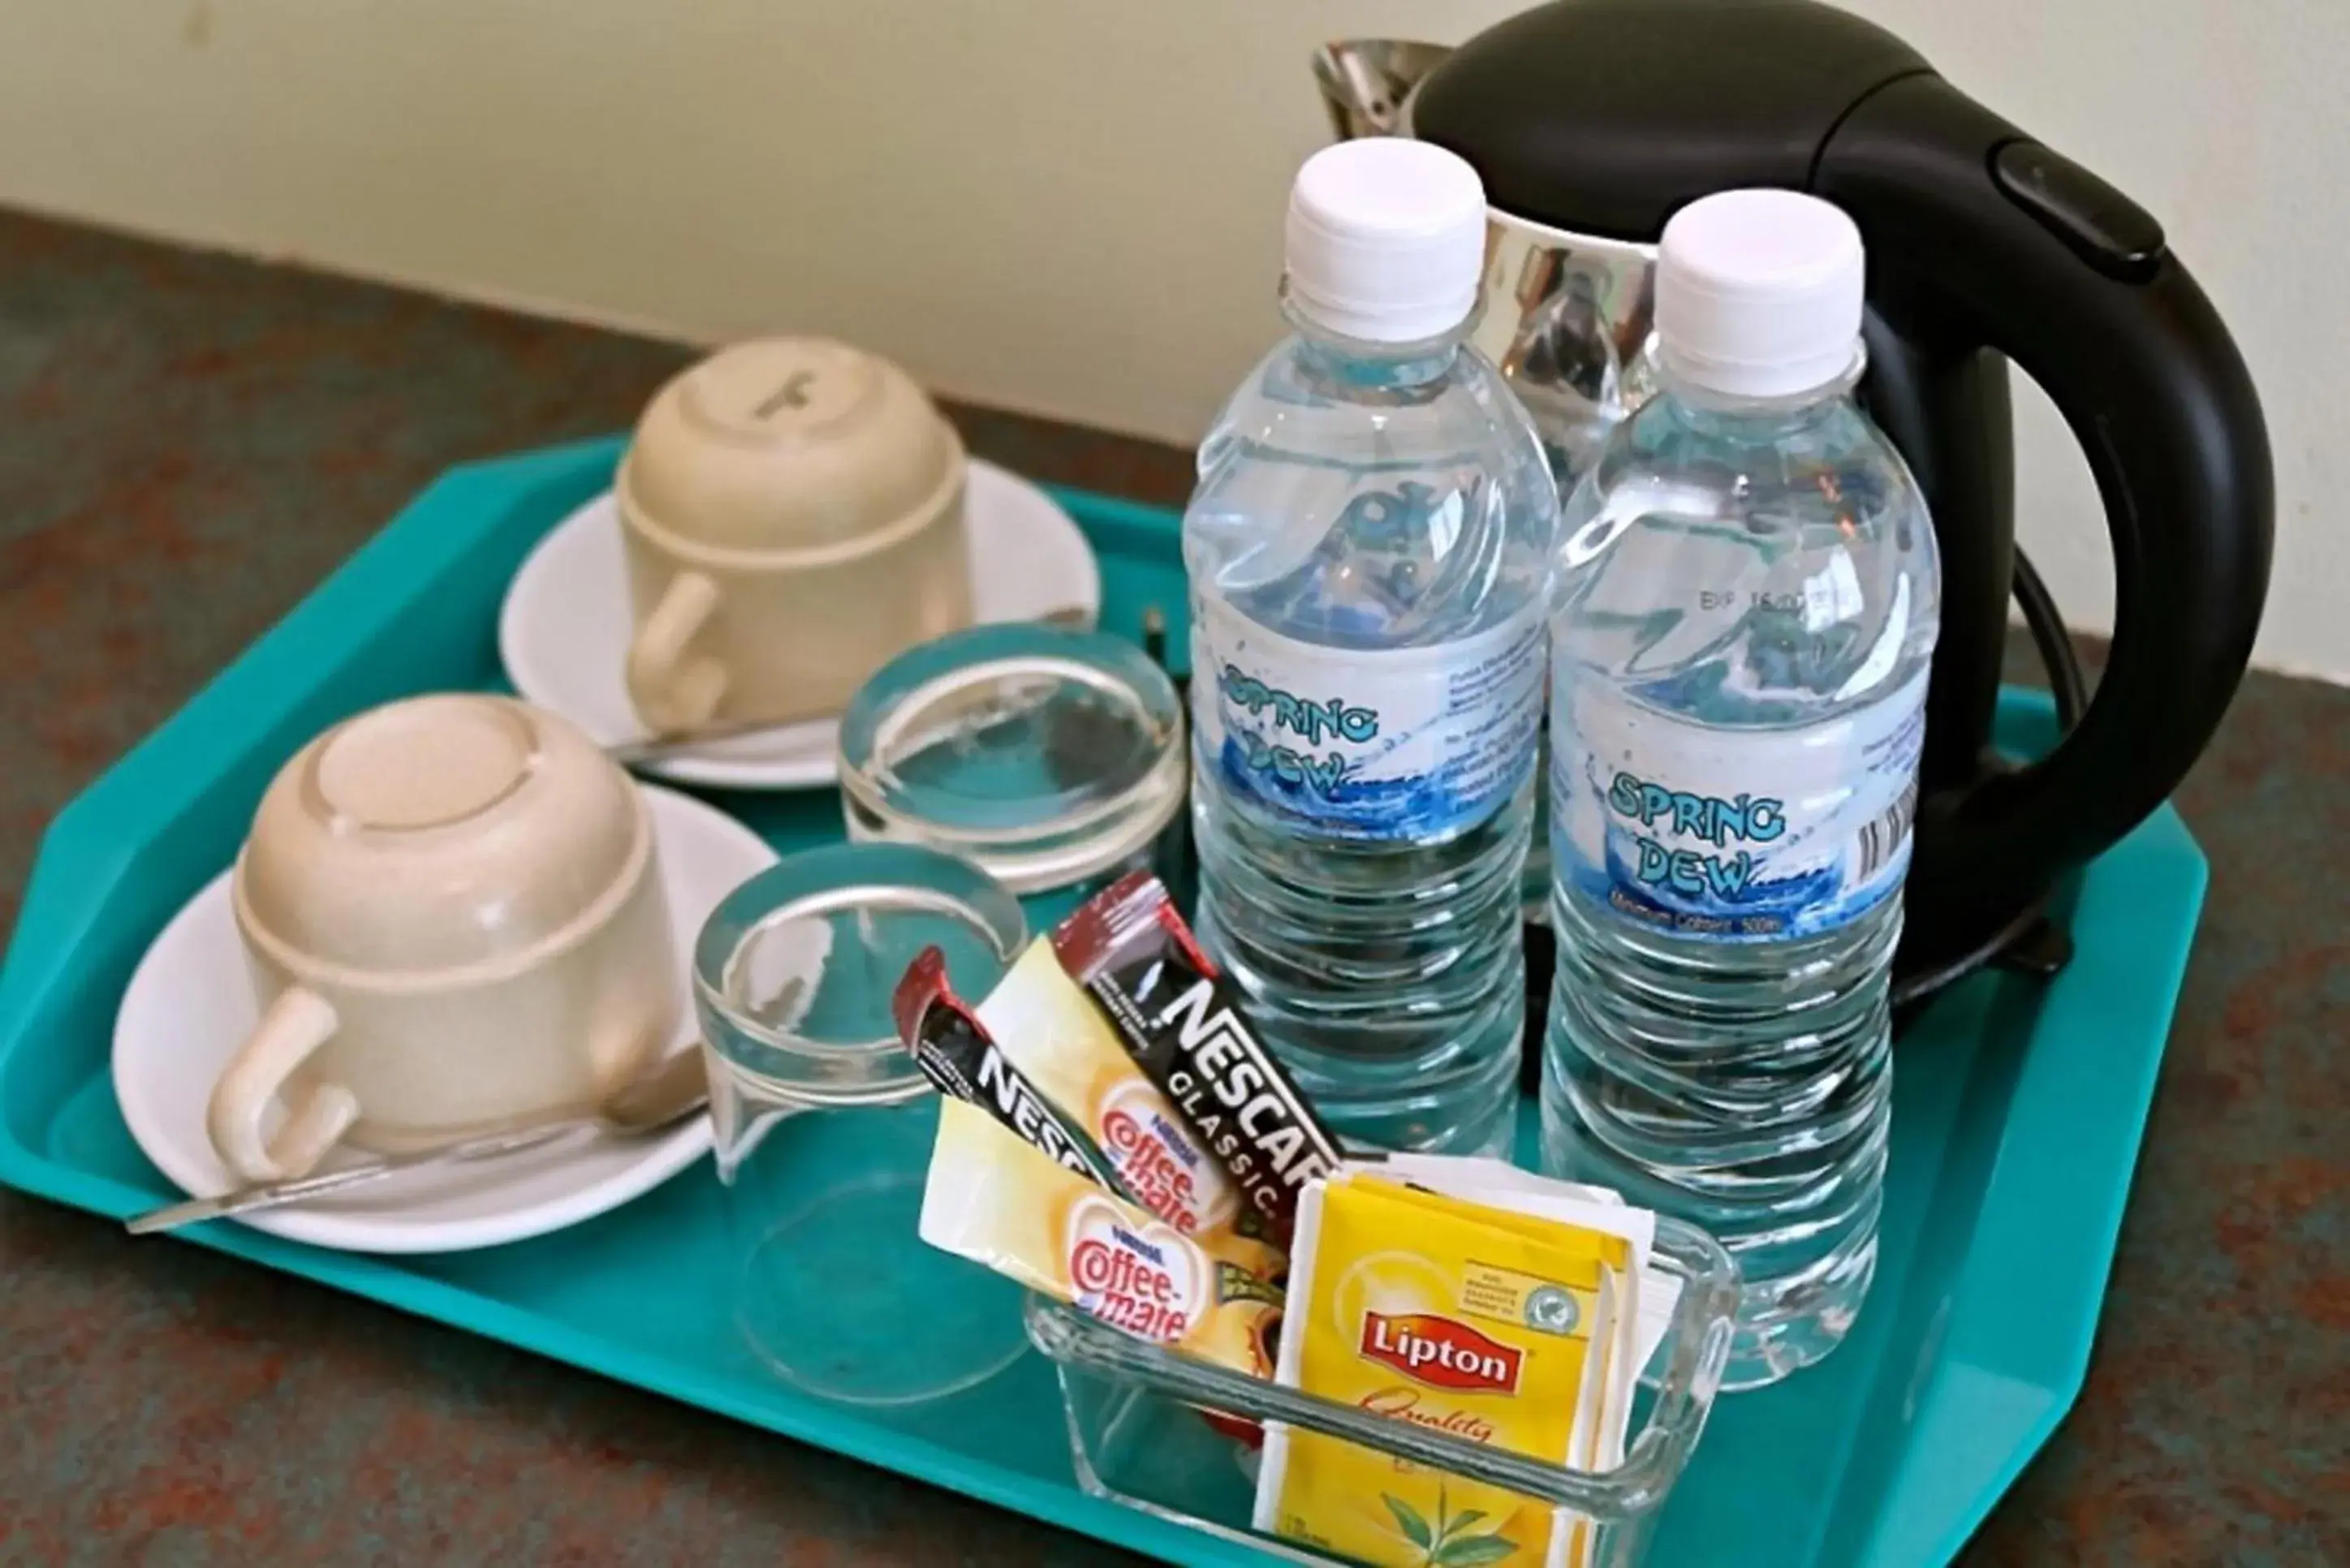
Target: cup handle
[297,1024]
[672,690]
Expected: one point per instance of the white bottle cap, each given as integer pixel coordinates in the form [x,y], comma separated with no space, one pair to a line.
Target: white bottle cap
[1758,293]
[1387,240]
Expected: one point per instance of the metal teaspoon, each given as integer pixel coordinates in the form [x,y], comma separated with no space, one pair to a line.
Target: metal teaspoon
[669,1094]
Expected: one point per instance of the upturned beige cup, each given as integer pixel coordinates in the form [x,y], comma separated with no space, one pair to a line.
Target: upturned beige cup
[452,909]
[793,515]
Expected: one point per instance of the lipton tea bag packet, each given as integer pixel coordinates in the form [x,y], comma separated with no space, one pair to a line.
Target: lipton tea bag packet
[1644,1309]
[1537,1207]
[1009,1205]
[1503,1186]
[1654,1293]
[1421,1308]
[1479,1178]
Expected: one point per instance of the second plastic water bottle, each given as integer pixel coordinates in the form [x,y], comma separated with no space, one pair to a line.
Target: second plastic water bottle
[1747,601]
[1367,551]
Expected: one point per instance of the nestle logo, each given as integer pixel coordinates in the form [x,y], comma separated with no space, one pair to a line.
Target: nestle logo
[1178,1141]
[1441,1353]
[1135,1243]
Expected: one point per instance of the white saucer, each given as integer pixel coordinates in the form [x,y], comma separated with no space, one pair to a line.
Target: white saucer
[190,1005]
[563,630]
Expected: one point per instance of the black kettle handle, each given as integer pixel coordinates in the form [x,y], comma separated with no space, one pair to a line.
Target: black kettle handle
[2007,248]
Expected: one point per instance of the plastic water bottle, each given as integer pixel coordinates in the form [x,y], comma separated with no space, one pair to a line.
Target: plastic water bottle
[1368,550]
[1745,608]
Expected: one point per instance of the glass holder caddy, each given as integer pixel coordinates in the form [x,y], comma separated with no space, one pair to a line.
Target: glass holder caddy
[1137,1436]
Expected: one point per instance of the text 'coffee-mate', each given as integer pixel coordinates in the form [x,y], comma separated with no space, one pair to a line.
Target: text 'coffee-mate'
[1074,1158]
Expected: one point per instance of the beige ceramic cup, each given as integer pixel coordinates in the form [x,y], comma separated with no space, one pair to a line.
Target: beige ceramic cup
[453,916]
[792,511]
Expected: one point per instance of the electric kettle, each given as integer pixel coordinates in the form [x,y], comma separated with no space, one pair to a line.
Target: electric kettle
[1591,121]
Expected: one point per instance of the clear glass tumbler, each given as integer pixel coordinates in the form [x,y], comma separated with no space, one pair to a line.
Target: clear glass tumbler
[824,1122]
[1052,757]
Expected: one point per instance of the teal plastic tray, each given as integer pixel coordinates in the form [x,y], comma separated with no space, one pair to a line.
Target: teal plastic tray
[2018,1109]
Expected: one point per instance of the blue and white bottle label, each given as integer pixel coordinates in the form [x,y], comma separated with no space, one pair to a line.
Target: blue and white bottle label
[1708,833]
[1389,746]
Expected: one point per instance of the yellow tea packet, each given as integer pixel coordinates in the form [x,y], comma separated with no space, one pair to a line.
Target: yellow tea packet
[1536,1207]
[1644,1308]
[1650,1295]
[1476,1324]
[1011,1206]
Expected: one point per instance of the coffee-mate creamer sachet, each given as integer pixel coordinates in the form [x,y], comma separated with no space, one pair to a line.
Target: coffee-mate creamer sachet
[1050,1029]
[1011,1206]
[1020,1186]
[1482,1326]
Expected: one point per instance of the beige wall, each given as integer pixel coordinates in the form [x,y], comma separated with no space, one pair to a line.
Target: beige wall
[1073,206]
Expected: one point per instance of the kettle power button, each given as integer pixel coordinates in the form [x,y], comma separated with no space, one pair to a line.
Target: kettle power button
[2098,223]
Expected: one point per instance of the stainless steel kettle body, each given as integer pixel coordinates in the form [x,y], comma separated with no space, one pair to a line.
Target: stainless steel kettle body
[1566,317]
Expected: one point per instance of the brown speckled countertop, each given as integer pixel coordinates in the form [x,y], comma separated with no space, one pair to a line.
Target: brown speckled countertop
[189,442]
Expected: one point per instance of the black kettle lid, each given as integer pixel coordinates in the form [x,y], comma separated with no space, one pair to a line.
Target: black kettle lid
[1603,117]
